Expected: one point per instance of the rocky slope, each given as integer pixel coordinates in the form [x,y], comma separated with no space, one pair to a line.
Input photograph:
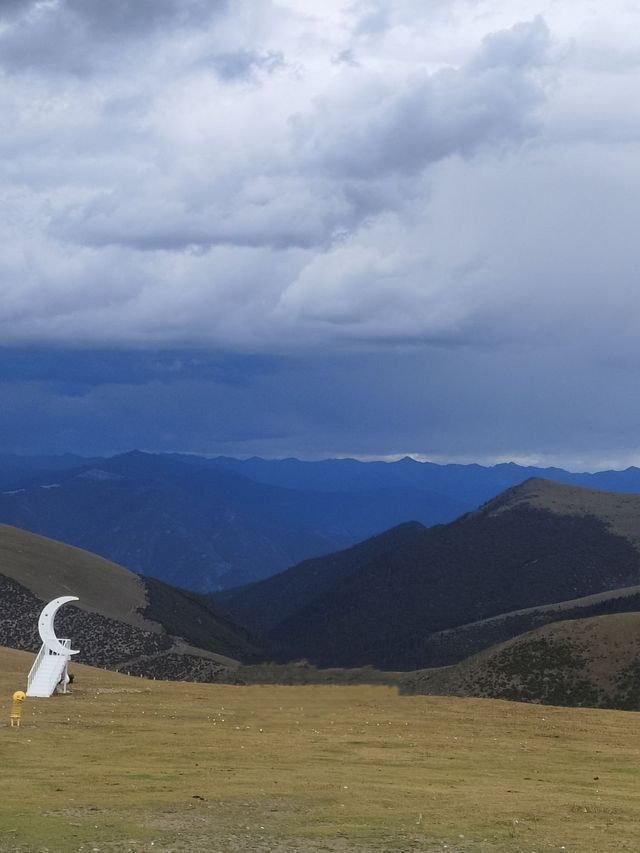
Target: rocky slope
[121,620]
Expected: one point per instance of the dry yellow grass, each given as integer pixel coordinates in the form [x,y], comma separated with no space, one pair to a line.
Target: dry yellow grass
[50,568]
[127,764]
[588,662]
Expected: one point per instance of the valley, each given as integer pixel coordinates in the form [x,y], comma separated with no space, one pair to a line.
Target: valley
[312,710]
[200,526]
[319,418]
[414,597]
[532,597]
[211,524]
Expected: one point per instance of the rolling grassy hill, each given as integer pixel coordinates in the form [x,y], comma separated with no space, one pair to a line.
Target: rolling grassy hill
[454,644]
[586,662]
[126,764]
[121,619]
[412,605]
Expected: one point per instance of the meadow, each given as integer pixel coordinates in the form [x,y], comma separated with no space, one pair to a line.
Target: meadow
[125,764]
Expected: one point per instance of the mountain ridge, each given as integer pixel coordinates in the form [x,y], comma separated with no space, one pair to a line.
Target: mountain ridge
[534,545]
[199,526]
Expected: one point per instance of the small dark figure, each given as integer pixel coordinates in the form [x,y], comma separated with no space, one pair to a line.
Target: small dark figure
[64,685]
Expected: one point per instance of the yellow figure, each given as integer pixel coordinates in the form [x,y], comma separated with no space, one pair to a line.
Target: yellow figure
[16,708]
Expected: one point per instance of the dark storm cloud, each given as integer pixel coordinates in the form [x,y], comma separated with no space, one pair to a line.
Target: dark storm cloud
[10,8]
[490,101]
[373,16]
[82,36]
[523,45]
[124,18]
[302,187]
[74,372]
[342,160]
[240,64]
[421,401]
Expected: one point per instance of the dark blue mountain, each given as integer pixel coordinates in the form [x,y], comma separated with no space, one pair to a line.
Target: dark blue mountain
[471,485]
[415,597]
[209,524]
[202,526]
[15,468]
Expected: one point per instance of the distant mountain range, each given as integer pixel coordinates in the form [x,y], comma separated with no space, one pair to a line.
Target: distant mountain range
[416,597]
[201,526]
[210,524]
[470,485]
[15,469]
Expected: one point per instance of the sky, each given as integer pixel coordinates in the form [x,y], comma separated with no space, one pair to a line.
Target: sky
[321,228]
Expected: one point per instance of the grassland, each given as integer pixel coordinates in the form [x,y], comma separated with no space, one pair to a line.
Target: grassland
[103,586]
[126,764]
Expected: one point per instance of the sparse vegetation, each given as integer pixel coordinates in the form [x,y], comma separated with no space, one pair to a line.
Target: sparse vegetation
[125,764]
[404,599]
[198,619]
[303,672]
[587,662]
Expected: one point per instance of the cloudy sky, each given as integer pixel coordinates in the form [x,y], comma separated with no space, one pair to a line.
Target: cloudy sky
[321,227]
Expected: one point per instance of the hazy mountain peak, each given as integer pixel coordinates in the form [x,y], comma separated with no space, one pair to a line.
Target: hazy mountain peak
[133,454]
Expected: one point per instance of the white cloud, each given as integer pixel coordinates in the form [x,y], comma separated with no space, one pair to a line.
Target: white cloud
[258,175]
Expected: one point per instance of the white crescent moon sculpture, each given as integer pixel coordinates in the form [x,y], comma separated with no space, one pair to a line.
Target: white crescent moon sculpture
[46,629]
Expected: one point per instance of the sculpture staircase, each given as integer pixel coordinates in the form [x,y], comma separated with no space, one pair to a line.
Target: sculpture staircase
[48,670]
